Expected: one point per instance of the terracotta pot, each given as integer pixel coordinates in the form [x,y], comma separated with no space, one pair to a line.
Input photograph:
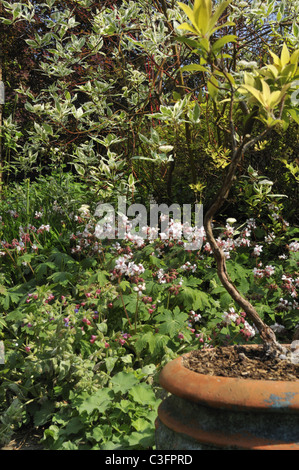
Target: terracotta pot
[211,412]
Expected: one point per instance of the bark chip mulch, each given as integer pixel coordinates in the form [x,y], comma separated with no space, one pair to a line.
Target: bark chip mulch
[238,361]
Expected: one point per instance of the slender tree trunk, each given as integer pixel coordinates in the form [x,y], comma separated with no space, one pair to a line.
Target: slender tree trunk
[266,333]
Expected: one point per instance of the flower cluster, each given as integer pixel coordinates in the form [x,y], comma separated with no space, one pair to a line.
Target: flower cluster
[194,317]
[246,330]
[286,305]
[268,271]
[189,267]
[290,285]
[124,266]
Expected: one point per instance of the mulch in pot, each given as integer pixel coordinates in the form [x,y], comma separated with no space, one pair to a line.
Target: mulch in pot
[240,362]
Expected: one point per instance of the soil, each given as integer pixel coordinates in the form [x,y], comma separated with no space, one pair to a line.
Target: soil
[239,361]
[27,438]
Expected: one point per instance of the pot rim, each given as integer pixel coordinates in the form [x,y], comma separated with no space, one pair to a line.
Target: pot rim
[229,392]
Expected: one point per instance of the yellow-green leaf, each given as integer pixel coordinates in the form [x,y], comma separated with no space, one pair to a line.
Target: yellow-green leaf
[273,70]
[275,98]
[224,25]
[202,7]
[203,15]
[295,57]
[294,114]
[249,79]
[266,91]
[218,12]
[194,67]
[276,59]
[189,12]
[256,93]
[187,27]
[285,55]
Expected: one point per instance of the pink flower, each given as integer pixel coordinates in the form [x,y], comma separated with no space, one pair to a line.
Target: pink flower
[27,348]
[93,338]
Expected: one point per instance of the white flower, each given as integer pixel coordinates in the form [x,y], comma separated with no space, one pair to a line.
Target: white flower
[249,329]
[258,272]
[257,250]
[269,238]
[139,289]
[195,316]
[294,246]
[45,227]
[84,209]
[188,267]
[251,224]
[230,316]
[269,270]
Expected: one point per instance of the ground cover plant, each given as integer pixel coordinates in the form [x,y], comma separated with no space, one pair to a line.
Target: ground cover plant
[86,322]
[87,326]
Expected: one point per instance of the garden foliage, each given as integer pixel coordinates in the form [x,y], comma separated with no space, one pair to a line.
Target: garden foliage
[119,101]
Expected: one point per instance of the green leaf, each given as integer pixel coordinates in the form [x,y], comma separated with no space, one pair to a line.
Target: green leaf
[99,401]
[43,415]
[213,87]
[143,394]
[196,113]
[144,439]
[42,269]
[201,300]
[62,278]
[73,426]
[140,424]
[123,381]
[110,363]
[294,113]
[171,322]
[222,41]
